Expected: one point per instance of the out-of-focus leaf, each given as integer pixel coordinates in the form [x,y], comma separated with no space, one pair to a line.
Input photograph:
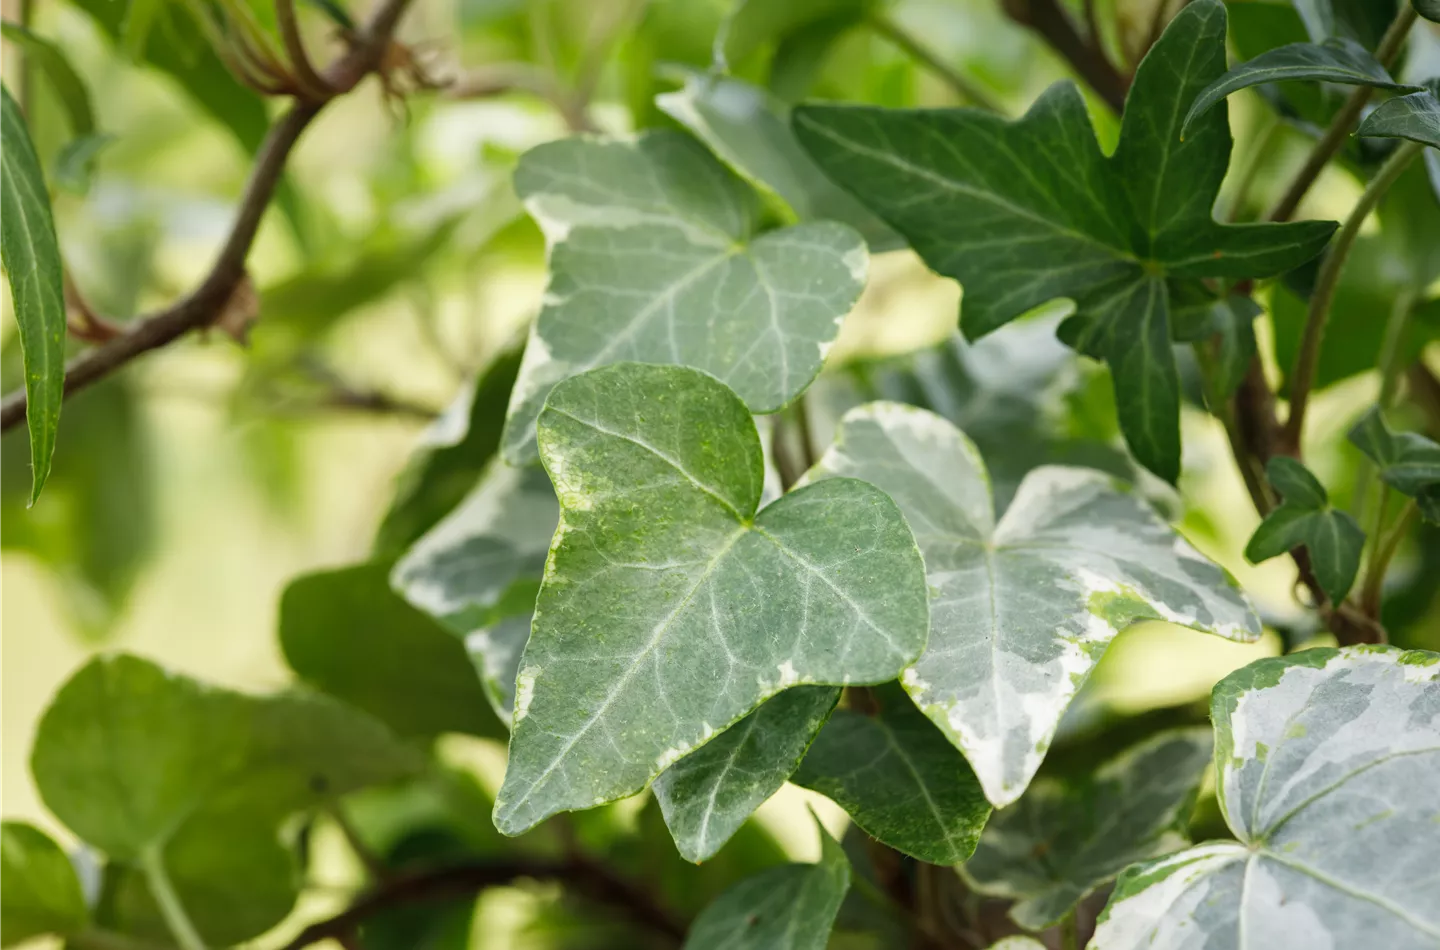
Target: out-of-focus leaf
[751,132]
[757,23]
[1335,60]
[801,54]
[450,458]
[786,908]
[1408,462]
[899,777]
[32,260]
[1363,21]
[1429,9]
[1230,324]
[1306,517]
[709,794]
[1062,840]
[1415,117]
[76,160]
[347,633]
[51,60]
[39,892]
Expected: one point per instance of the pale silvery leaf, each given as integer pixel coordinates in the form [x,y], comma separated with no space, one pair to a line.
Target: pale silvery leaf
[899,778]
[791,907]
[461,571]
[495,650]
[707,795]
[1022,610]
[670,608]
[750,130]
[1062,840]
[655,257]
[1328,763]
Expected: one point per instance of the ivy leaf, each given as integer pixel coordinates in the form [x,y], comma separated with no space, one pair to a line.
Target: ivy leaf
[346,633]
[1327,763]
[709,794]
[127,752]
[655,256]
[495,651]
[452,455]
[670,608]
[786,908]
[32,259]
[1415,117]
[1062,840]
[1408,462]
[1429,9]
[483,561]
[1022,610]
[750,131]
[39,892]
[1336,60]
[1101,231]
[1306,518]
[899,778]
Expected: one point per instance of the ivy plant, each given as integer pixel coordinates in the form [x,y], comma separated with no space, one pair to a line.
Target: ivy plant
[691,542]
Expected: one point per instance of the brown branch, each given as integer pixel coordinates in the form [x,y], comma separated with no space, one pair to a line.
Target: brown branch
[209,300]
[1046,18]
[584,876]
[312,84]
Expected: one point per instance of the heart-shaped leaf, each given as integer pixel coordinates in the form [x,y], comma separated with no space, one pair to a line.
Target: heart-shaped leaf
[1408,462]
[39,892]
[786,908]
[1327,765]
[1022,610]
[1062,840]
[1415,117]
[1306,518]
[656,256]
[750,130]
[707,795]
[670,607]
[899,778]
[1336,60]
[1024,212]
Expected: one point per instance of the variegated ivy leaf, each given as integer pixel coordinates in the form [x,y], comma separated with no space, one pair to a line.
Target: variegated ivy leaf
[899,778]
[1336,60]
[792,907]
[1022,610]
[1306,518]
[707,795]
[1415,117]
[749,129]
[1024,212]
[1328,763]
[1062,840]
[670,607]
[1408,462]
[656,255]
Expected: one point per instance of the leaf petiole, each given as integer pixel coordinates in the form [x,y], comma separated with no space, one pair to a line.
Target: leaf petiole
[152,864]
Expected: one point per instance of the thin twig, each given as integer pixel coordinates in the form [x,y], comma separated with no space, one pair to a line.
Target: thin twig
[952,77]
[312,84]
[209,300]
[585,877]
[1087,56]
[1344,120]
[1371,595]
[1307,360]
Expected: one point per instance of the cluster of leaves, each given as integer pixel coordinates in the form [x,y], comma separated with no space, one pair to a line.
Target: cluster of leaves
[627,584]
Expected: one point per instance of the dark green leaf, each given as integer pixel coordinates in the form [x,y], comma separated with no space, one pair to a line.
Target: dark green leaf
[1227,326]
[1335,60]
[1364,21]
[346,633]
[1101,231]
[39,892]
[785,908]
[707,795]
[751,132]
[1306,518]
[671,608]
[1429,9]
[450,459]
[1415,117]
[32,260]
[1062,840]
[1408,461]
[899,778]
[51,60]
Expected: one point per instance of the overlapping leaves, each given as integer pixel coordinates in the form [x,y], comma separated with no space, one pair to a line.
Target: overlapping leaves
[1024,212]
[1408,462]
[670,607]
[1022,609]
[1306,518]
[1327,764]
[656,256]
